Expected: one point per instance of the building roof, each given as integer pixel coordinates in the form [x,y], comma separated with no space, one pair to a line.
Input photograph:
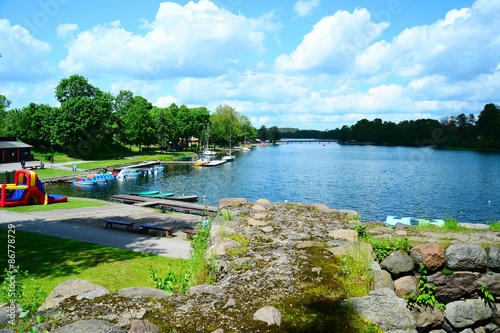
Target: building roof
[13,145]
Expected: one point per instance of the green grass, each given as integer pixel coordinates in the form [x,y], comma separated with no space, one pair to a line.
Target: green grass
[72,203]
[52,260]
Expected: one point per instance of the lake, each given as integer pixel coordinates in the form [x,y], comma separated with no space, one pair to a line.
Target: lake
[375,181]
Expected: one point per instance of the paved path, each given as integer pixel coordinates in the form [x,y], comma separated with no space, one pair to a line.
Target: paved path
[174,247]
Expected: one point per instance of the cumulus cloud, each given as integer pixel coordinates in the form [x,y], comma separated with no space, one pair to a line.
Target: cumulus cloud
[305,7]
[333,43]
[197,39]
[23,56]
[66,29]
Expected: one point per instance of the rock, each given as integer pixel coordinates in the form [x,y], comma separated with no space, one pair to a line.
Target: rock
[263,202]
[257,223]
[268,314]
[91,325]
[466,256]
[297,236]
[479,226]
[8,313]
[492,280]
[427,318]
[230,303]
[455,286]
[258,208]
[205,289]
[382,279]
[385,309]
[267,229]
[305,245]
[142,326]
[349,235]
[378,231]
[72,287]
[406,285]
[431,255]
[493,253]
[322,207]
[397,263]
[348,213]
[463,314]
[139,292]
[231,202]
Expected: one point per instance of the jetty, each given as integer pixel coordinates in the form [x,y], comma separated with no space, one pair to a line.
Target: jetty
[164,204]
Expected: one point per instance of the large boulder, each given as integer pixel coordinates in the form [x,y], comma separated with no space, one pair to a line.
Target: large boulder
[467,313]
[398,263]
[466,256]
[493,253]
[385,309]
[454,287]
[491,280]
[382,279]
[431,255]
[405,286]
[72,287]
[268,314]
[231,202]
[427,318]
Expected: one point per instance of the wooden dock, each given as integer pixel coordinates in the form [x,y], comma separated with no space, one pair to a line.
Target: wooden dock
[174,205]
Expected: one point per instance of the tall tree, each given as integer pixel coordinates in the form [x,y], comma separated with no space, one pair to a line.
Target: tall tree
[32,124]
[139,127]
[4,105]
[488,126]
[84,121]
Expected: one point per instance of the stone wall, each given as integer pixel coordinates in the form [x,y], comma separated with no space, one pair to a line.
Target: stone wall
[460,274]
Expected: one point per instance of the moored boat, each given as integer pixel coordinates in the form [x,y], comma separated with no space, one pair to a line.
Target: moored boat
[159,195]
[145,193]
[186,198]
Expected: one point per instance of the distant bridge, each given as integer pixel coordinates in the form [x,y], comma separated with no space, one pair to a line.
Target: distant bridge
[306,141]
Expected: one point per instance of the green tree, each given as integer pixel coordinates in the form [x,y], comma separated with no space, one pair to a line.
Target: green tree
[488,126]
[274,134]
[4,105]
[262,133]
[138,124]
[225,122]
[84,120]
[32,124]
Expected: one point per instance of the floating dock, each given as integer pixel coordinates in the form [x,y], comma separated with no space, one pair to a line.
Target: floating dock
[174,205]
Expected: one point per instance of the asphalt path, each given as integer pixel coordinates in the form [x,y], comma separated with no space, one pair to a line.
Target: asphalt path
[174,247]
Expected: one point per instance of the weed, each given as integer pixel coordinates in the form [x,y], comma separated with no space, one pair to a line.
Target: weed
[24,290]
[426,291]
[362,231]
[226,215]
[384,246]
[486,296]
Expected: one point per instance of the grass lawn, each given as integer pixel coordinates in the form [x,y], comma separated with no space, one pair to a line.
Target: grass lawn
[72,203]
[52,260]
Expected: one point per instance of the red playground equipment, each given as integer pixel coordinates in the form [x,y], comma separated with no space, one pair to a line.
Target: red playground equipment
[27,190]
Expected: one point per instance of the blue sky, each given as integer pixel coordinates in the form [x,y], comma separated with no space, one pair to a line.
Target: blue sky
[309,64]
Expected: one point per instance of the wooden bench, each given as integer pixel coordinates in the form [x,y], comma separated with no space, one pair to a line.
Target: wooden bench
[129,225]
[189,232]
[146,227]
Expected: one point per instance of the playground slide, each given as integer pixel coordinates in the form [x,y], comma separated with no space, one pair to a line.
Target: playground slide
[27,190]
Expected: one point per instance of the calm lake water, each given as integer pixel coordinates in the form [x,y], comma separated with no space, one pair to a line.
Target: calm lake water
[376,181]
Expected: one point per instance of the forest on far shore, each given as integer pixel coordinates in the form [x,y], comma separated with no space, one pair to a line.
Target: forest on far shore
[462,131]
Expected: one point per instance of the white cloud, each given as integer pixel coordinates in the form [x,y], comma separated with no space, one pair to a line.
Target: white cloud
[305,7]
[333,43]
[66,29]
[192,40]
[23,57]
[165,101]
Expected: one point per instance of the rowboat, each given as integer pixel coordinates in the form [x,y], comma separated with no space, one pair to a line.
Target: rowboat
[145,193]
[159,195]
[185,198]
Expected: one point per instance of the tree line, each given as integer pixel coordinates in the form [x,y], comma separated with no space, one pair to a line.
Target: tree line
[89,119]
[462,131]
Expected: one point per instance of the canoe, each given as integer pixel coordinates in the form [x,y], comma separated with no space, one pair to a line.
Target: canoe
[158,195]
[186,198]
[145,193]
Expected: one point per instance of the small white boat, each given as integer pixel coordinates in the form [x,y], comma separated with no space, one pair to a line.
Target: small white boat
[156,169]
[128,173]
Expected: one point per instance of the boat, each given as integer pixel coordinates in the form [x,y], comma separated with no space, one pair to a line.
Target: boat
[202,161]
[206,150]
[186,198]
[156,169]
[145,193]
[229,156]
[84,181]
[159,195]
[128,173]
[99,178]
